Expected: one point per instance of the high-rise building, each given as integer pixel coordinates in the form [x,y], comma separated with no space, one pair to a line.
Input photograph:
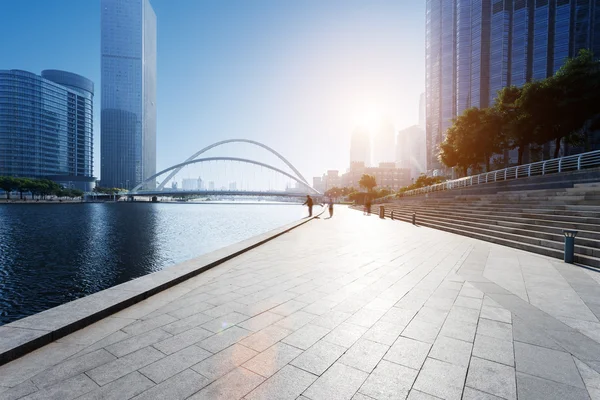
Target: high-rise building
[422,111]
[384,143]
[474,48]
[360,146]
[189,184]
[410,151]
[46,127]
[128,112]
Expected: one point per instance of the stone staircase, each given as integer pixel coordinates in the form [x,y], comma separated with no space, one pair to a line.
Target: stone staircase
[530,220]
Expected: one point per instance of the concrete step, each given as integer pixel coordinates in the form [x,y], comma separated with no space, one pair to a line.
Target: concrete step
[579,258]
[554,242]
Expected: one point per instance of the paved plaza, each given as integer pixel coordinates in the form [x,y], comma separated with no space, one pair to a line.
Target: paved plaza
[352,307]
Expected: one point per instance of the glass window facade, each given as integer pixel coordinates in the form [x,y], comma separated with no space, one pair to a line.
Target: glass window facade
[46,126]
[128,111]
[500,42]
[464,55]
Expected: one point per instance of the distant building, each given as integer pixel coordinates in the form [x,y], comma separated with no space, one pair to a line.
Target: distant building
[211,185]
[411,151]
[331,179]
[422,112]
[46,127]
[360,146]
[189,184]
[384,143]
[128,111]
[318,184]
[200,184]
[232,186]
[387,175]
[174,185]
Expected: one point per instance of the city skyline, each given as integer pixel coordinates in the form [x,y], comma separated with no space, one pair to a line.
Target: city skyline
[318,69]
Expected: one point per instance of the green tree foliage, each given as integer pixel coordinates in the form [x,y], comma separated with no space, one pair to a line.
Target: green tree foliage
[8,184]
[550,110]
[423,181]
[37,187]
[336,192]
[368,182]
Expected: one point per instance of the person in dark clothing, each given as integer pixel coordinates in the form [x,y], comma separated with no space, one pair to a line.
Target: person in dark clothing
[330,203]
[368,206]
[309,204]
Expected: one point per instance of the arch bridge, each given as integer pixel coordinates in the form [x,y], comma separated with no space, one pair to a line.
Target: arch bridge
[302,186]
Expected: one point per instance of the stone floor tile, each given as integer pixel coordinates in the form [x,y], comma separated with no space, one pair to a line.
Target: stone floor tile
[18,391]
[140,327]
[135,343]
[468,302]
[265,338]
[95,332]
[549,364]
[489,302]
[408,352]
[357,396]
[432,315]
[261,321]
[416,395]
[182,340]
[296,320]
[102,343]
[272,359]
[72,367]
[364,355]
[523,332]
[534,388]
[439,303]
[345,334]
[389,381]
[463,314]
[122,366]
[226,360]
[590,377]
[495,329]
[178,387]
[400,316]
[224,309]
[331,319]
[441,379]
[494,349]
[171,365]
[461,330]
[65,390]
[384,332]
[594,393]
[320,307]
[380,304]
[451,350]
[366,317]
[234,385]
[185,312]
[339,382]
[421,330]
[319,357]
[496,314]
[493,378]
[287,383]
[472,394]
[182,325]
[288,308]
[306,336]
[224,339]
[123,388]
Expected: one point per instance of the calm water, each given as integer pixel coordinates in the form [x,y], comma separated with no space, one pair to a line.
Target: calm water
[52,254]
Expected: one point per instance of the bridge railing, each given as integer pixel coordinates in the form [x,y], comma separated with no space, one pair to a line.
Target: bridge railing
[556,165]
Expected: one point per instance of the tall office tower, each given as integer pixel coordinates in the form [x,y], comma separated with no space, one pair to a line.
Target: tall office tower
[128,117]
[384,143]
[46,127]
[360,146]
[474,48]
[410,151]
[422,111]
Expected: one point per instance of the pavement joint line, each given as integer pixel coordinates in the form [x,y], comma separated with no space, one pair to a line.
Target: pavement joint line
[49,336]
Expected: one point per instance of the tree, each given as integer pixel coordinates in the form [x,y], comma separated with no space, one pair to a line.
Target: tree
[23,186]
[368,182]
[516,124]
[8,184]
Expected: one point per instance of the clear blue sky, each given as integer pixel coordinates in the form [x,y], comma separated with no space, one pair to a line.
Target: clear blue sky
[297,75]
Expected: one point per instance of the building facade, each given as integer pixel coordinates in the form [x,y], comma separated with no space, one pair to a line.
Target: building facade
[128,110]
[46,127]
[410,151]
[360,146]
[474,48]
[387,175]
[384,143]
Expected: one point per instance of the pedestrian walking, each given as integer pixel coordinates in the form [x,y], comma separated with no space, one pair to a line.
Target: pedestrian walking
[309,204]
[330,207]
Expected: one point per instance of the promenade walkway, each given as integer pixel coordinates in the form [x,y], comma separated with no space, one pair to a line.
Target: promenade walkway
[352,307]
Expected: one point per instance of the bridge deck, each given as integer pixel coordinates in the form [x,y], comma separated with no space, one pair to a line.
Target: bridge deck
[346,308]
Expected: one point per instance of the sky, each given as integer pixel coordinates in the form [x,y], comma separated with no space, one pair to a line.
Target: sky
[298,76]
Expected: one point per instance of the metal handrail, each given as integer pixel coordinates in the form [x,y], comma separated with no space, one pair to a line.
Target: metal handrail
[553,166]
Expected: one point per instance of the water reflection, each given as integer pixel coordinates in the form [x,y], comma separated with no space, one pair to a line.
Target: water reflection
[52,254]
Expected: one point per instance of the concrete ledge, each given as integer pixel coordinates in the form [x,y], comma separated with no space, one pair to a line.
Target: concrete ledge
[25,335]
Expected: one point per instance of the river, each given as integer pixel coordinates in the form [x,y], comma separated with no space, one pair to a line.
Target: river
[51,253]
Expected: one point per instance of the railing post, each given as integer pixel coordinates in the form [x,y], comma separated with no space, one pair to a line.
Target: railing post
[517,173]
[579,162]
[560,164]
[529,170]
[505,169]
[544,168]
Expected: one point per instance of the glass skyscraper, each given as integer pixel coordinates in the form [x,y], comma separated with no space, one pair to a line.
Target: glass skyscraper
[46,127]
[128,112]
[474,48]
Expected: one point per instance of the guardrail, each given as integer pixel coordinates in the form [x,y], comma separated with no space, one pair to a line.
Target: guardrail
[556,165]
